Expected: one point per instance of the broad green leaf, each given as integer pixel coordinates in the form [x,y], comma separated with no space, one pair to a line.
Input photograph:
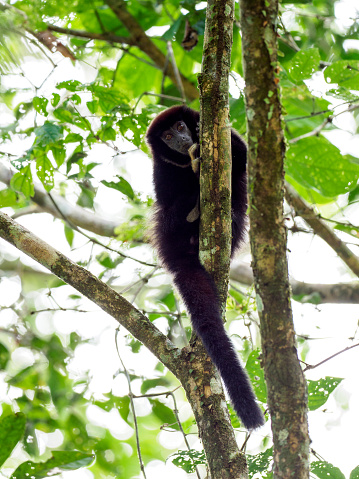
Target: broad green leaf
[4,356]
[188,460]
[73,138]
[109,98]
[121,185]
[55,100]
[7,198]
[92,106]
[40,104]
[12,429]
[342,93]
[109,134]
[316,163]
[325,470]
[304,64]
[148,384]
[260,463]
[48,133]
[81,122]
[59,153]
[354,473]
[345,73]
[172,31]
[45,172]
[22,181]
[319,391]
[164,413]
[256,374]
[63,115]
[70,85]
[69,234]
[349,229]
[59,462]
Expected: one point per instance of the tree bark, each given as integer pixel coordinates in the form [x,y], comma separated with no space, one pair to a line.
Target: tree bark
[224,458]
[287,394]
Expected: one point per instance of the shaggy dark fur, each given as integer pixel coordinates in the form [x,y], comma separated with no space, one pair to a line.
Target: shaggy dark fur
[176,239]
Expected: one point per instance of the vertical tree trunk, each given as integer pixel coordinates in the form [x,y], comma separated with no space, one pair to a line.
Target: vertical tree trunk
[287,395]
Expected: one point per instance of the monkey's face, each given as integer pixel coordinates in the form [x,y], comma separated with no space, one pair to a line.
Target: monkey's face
[178,137]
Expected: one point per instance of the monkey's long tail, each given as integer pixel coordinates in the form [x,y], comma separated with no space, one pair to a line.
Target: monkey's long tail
[200,296]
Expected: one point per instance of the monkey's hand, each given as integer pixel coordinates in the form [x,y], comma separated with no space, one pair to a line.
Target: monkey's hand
[193,215]
[195,159]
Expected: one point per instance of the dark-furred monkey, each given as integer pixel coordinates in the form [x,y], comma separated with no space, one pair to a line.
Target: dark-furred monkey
[173,139]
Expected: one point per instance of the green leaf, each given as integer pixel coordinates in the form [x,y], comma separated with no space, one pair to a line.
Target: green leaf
[325,470]
[148,384]
[304,64]
[108,134]
[343,72]
[70,85]
[355,473]
[171,32]
[256,374]
[316,163]
[260,463]
[55,100]
[59,462]
[45,172]
[92,106]
[188,460]
[122,185]
[22,181]
[48,133]
[69,234]
[7,198]
[109,98]
[12,429]
[59,153]
[73,138]
[40,105]
[65,116]
[4,356]
[319,391]
[342,93]
[164,413]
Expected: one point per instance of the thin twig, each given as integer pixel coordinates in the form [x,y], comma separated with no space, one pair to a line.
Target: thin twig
[310,366]
[131,396]
[176,71]
[94,240]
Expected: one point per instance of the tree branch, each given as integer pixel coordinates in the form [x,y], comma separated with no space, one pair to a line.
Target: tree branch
[139,38]
[75,214]
[321,229]
[94,289]
[339,293]
[106,37]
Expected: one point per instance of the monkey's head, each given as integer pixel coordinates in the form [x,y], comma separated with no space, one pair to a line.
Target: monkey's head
[172,133]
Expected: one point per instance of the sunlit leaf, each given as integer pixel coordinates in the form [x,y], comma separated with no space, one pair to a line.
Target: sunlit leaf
[304,64]
[316,163]
[59,462]
[12,429]
[320,390]
[325,470]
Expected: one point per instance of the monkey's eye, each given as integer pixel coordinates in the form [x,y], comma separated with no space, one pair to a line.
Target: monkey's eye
[180,127]
[168,136]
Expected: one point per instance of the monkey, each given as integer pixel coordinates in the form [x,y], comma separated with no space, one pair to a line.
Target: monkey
[173,139]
